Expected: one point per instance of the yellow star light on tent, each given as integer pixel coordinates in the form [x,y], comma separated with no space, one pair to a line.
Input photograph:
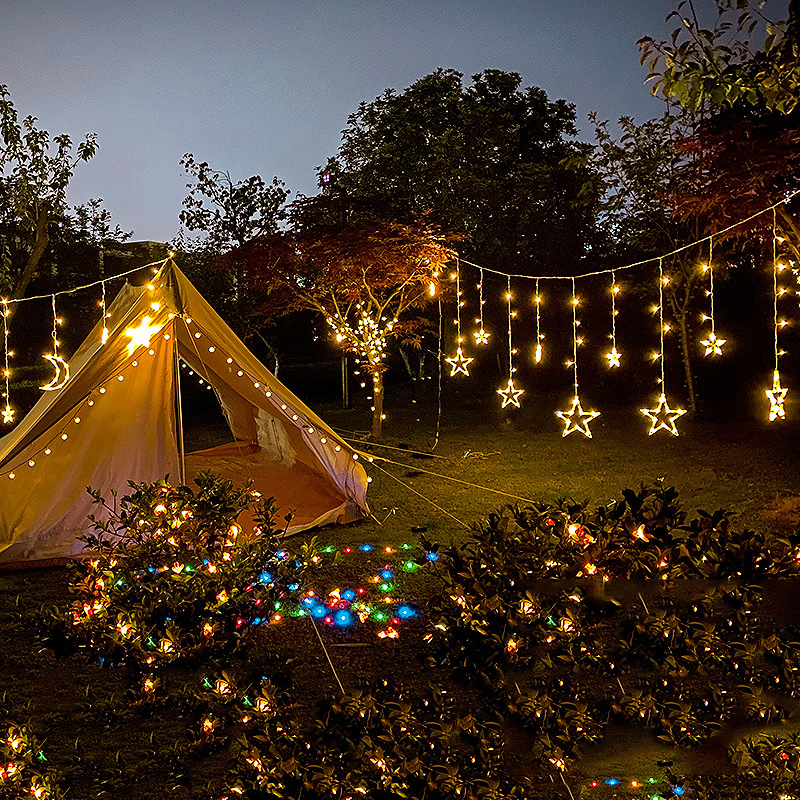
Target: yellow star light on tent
[662,417]
[576,419]
[776,396]
[8,414]
[713,344]
[613,357]
[140,337]
[459,363]
[510,394]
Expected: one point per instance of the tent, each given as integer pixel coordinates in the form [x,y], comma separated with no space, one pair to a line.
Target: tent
[118,418]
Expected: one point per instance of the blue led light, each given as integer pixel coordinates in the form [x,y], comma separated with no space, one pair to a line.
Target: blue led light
[612,782]
[679,790]
[349,595]
[293,587]
[265,577]
[319,612]
[387,574]
[343,618]
[365,548]
[406,612]
[433,556]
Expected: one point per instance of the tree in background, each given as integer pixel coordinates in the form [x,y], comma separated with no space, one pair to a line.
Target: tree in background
[491,161]
[35,171]
[369,278]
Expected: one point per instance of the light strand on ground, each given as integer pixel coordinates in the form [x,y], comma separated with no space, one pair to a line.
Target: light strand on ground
[459,363]
[575,418]
[777,394]
[712,343]
[481,335]
[613,355]
[509,392]
[537,299]
[662,417]
[61,367]
[8,411]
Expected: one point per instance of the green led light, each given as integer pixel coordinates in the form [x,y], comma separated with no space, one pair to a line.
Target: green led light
[406,547]
[380,617]
[330,548]
[409,565]
[386,587]
[277,604]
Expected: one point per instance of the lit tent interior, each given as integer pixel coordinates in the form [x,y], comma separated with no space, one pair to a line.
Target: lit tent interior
[117,418]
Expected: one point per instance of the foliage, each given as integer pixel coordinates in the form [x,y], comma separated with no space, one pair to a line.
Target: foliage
[491,160]
[721,66]
[230,212]
[368,278]
[173,577]
[24,772]
[91,223]
[36,171]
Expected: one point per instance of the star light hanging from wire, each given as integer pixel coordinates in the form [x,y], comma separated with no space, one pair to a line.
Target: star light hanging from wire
[575,418]
[7,411]
[614,355]
[537,299]
[509,392]
[481,335]
[777,394]
[459,363]
[662,417]
[712,343]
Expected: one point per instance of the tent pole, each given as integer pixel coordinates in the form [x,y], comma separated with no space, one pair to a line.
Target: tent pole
[179,410]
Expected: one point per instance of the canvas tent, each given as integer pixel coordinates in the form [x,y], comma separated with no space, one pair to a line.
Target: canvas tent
[117,418]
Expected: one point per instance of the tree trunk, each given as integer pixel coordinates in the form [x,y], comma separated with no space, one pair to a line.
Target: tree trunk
[377,398]
[683,323]
[39,246]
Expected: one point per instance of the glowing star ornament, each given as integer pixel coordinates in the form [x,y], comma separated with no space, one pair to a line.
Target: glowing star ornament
[613,357]
[140,337]
[510,394]
[459,363]
[662,417]
[776,396]
[481,336]
[713,344]
[8,414]
[576,419]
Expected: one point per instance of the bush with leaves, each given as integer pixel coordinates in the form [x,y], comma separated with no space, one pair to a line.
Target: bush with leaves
[23,764]
[173,577]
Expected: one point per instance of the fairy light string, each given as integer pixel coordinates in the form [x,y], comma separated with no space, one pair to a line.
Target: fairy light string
[7,411]
[662,417]
[481,335]
[537,299]
[510,393]
[777,394]
[713,344]
[459,363]
[575,418]
[614,355]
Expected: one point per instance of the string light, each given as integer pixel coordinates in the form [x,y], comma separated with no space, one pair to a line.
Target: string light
[7,412]
[509,392]
[61,367]
[481,335]
[777,394]
[662,417]
[459,363]
[712,343]
[104,335]
[614,355]
[537,299]
[575,418]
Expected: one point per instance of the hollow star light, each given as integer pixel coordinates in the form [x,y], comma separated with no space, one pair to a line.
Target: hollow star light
[576,419]
[776,396]
[510,394]
[140,337]
[459,363]
[662,417]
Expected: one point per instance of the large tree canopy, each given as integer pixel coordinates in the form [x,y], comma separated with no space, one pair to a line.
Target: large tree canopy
[490,160]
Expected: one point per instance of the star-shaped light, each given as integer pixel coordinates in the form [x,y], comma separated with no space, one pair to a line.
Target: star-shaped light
[713,344]
[510,394]
[481,336]
[140,337]
[459,363]
[776,396]
[662,417]
[8,414]
[576,419]
[613,356]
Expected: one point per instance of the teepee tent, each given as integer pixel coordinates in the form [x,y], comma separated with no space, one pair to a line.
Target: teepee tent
[117,418]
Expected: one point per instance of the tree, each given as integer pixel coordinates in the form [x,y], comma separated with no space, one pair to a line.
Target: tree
[36,171]
[367,278]
[230,212]
[491,161]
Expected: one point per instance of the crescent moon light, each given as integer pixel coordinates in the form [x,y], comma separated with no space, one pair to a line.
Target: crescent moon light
[62,373]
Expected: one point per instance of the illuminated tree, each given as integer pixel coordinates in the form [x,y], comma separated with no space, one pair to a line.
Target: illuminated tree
[369,279]
[35,171]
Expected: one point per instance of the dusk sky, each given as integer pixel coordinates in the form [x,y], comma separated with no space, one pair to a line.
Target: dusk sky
[266,87]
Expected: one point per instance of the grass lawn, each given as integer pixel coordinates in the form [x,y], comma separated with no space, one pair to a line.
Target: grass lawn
[742,465]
